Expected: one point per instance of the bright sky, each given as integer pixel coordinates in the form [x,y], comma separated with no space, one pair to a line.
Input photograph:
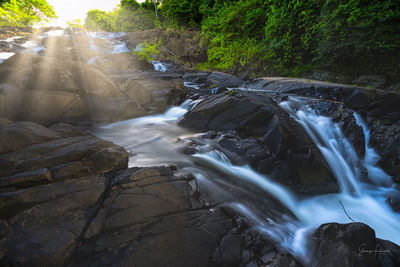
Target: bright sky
[68,10]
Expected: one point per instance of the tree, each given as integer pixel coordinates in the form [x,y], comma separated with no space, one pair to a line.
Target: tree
[25,12]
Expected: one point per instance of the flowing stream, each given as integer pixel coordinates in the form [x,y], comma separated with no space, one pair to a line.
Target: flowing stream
[157,140]
[272,209]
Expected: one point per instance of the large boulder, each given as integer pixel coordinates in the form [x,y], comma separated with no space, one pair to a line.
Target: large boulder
[260,133]
[50,183]
[46,90]
[153,90]
[351,244]
[31,72]
[220,79]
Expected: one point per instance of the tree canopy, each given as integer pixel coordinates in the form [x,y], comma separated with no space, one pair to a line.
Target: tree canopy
[24,12]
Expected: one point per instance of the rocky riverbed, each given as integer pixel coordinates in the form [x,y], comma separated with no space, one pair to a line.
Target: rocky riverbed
[237,176]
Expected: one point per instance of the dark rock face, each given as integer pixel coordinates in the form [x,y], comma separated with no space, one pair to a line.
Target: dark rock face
[49,184]
[67,200]
[380,109]
[224,80]
[261,134]
[47,90]
[154,91]
[352,244]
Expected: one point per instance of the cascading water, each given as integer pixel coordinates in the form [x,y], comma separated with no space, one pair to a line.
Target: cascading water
[154,140]
[159,66]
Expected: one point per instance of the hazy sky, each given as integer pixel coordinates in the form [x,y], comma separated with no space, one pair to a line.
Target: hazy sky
[76,9]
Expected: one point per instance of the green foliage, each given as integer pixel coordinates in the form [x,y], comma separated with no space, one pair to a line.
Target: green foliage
[75,23]
[98,20]
[280,37]
[24,12]
[186,11]
[127,18]
[132,4]
[291,37]
[358,33]
[289,31]
[146,51]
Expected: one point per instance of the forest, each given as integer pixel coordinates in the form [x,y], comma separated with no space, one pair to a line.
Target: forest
[273,37]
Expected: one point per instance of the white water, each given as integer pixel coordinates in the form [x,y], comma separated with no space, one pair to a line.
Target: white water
[153,140]
[159,66]
[34,46]
[120,48]
[112,43]
[375,174]
[5,55]
[191,85]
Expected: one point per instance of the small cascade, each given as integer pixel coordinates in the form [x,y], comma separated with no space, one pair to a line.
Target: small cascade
[120,48]
[375,174]
[5,55]
[327,135]
[111,45]
[272,209]
[159,66]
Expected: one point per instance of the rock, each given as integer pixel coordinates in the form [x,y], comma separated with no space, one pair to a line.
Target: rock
[220,79]
[21,134]
[108,109]
[49,188]
[351,244]
[380,109]
[155,91]
[121,62]
[175,45]
[30,147]
[374,81]
[259,133]
[26,179]
[394,87]
[70,214]
[75,91]
[5,122]
[147,210]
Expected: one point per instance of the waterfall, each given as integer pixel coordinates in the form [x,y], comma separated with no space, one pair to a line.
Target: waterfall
[159,66]
[152,140]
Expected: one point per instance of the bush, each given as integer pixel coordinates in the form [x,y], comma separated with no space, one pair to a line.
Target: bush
[125,19]
[24,13]
[146,51]
[358,34]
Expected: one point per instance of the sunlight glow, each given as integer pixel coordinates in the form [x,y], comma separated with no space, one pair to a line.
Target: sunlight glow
[68,10]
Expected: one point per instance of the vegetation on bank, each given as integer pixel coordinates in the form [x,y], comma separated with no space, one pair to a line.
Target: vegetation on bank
[289,37]
[24,12]
[130,16]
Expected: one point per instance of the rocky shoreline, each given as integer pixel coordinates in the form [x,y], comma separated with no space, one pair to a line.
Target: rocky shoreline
[68,198]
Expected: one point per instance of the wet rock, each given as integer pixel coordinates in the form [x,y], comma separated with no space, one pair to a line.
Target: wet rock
[5,122]
[380,109]
[49,186]
[259,133]
[220,79]
[69,91]
[351,244]
[149,219]
[26,179]
[155,91]
[67,200]
[374,81]
[21,134]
